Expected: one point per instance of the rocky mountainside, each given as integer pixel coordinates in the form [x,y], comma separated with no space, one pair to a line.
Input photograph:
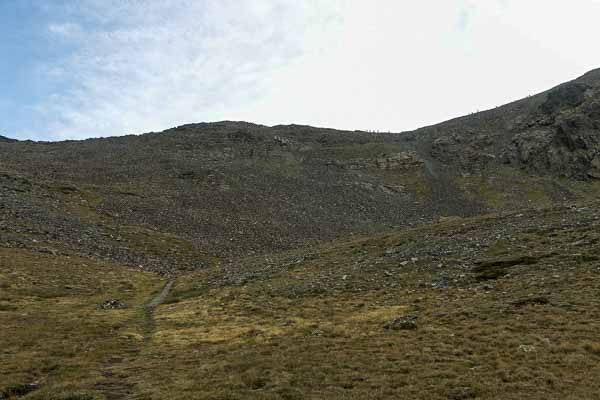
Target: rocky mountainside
[225,189]
[553,133]
[199,193]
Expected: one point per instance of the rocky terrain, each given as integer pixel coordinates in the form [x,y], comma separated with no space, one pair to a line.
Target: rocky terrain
[231,260]
[229,189]
[553,133]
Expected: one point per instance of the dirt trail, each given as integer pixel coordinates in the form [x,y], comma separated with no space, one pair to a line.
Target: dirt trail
[114,386]
[162,295]
[149,310]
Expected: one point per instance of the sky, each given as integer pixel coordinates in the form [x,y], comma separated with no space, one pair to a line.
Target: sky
[91,68]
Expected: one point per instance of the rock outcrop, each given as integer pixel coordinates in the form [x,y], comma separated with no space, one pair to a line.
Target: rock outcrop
[554,133]
[563,138]
[401,161]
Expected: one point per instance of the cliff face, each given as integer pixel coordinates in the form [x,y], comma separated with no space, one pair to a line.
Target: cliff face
[554,133]
[563,136]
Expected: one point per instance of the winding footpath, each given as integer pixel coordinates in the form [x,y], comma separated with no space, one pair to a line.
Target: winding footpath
[158,300]
[149,310]
[115,387]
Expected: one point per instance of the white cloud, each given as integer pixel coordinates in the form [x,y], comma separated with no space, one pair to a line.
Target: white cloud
[148,65]
[144,65]
[68,29]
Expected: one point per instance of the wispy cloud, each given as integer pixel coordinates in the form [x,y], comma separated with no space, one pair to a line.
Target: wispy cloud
[67,29]
[143,65]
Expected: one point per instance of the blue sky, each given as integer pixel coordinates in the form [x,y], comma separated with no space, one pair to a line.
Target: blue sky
[24,45]
[89,68]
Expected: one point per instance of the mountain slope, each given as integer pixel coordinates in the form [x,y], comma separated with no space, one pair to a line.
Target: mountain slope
[227,188]
[196,194]
[554,133]
[4,139]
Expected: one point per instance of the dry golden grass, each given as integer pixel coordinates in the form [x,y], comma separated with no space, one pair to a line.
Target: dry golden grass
[312,324]
[467,344]
[533,335]
[54,333]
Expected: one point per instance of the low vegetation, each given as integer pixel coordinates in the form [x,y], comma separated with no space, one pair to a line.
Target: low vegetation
[498,306]
[57,342]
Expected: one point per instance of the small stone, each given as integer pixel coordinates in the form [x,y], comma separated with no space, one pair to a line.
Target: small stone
[408,322]
[112,304]
[462,393]
[527,348]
